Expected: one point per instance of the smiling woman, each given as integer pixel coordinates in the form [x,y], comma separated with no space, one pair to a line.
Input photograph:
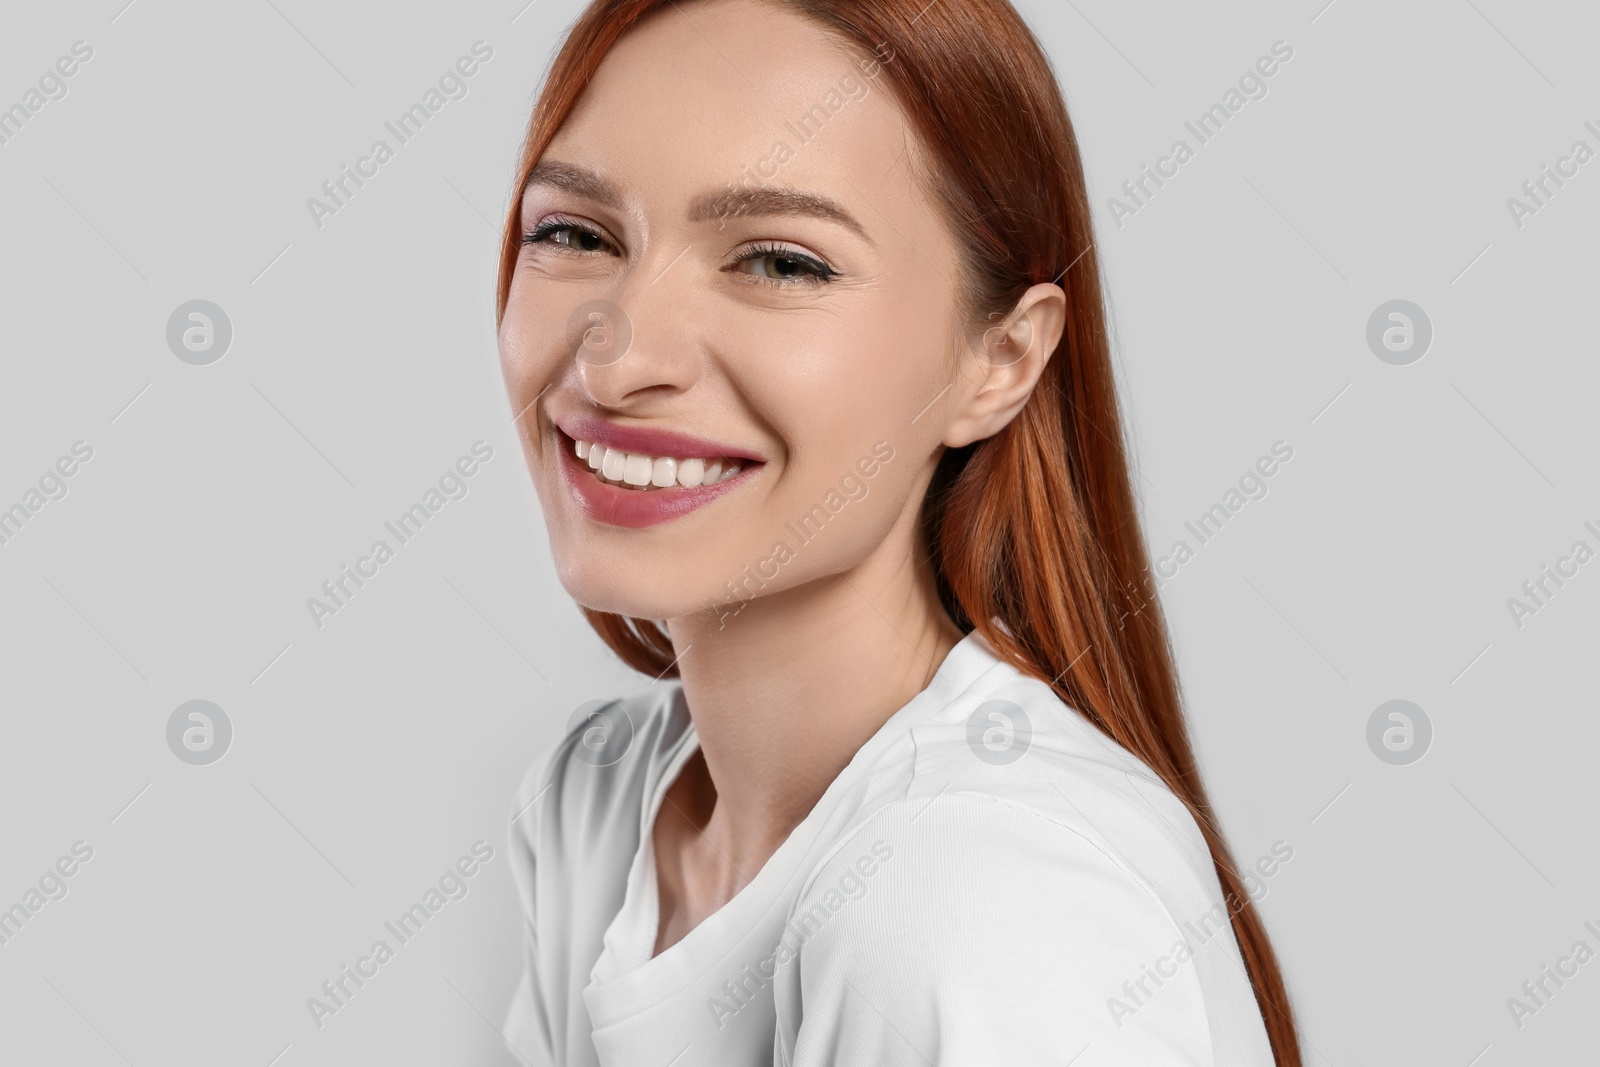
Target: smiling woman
[954,690]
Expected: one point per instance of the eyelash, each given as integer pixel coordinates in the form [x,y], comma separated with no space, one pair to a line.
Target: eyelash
[819,272]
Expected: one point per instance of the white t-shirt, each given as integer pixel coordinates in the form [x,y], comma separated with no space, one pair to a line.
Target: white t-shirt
[989,881]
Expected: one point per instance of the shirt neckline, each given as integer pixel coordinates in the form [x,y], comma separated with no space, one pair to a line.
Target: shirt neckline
[626,973]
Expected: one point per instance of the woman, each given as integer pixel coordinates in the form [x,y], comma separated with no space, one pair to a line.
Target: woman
[800,310]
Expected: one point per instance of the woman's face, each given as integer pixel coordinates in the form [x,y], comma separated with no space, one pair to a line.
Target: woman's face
[728,256]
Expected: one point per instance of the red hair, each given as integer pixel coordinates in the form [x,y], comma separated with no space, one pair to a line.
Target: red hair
[1036,526]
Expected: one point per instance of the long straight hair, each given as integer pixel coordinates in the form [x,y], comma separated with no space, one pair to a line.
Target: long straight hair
[1037,525]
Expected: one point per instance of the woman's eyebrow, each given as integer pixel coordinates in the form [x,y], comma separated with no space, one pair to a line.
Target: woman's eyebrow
[773,202]
[728,203]
[575,179]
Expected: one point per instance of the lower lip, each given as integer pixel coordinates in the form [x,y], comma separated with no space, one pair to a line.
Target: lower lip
[636,508]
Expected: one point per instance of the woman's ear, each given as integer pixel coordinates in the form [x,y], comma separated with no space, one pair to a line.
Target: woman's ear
[1000,370]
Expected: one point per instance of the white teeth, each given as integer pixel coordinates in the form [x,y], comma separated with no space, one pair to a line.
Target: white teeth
[639,471]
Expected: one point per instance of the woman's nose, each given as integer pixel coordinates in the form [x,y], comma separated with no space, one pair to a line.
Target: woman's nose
[603,332]
[643,340]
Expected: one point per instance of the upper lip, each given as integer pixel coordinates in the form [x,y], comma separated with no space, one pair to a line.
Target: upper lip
[649,441]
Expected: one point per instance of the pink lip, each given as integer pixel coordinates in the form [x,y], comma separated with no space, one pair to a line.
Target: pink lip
[638,508]
[650,442]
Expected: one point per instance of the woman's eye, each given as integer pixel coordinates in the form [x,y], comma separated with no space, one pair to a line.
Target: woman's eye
[573,237]
[784,266]
[567,235]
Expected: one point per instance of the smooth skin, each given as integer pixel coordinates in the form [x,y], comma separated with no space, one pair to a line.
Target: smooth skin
[737,338]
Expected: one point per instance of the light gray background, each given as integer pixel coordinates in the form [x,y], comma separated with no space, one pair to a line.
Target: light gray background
[370,754]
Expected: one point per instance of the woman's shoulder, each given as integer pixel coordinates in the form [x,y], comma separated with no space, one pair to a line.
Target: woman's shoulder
[574,827]
[598,770]
[1011,743]
[982,930]
[1017,861]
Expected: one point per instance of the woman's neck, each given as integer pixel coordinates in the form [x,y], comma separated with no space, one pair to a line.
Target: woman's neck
[785,692]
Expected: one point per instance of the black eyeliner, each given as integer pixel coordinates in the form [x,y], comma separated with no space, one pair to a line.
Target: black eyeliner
[821,271]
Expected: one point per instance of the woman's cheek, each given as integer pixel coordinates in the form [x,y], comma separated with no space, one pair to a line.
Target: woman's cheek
[513,344]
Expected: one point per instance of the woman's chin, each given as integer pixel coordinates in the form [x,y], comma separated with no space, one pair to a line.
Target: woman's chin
[625,597]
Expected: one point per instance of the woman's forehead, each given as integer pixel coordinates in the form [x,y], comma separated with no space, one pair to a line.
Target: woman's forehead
[732,92]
